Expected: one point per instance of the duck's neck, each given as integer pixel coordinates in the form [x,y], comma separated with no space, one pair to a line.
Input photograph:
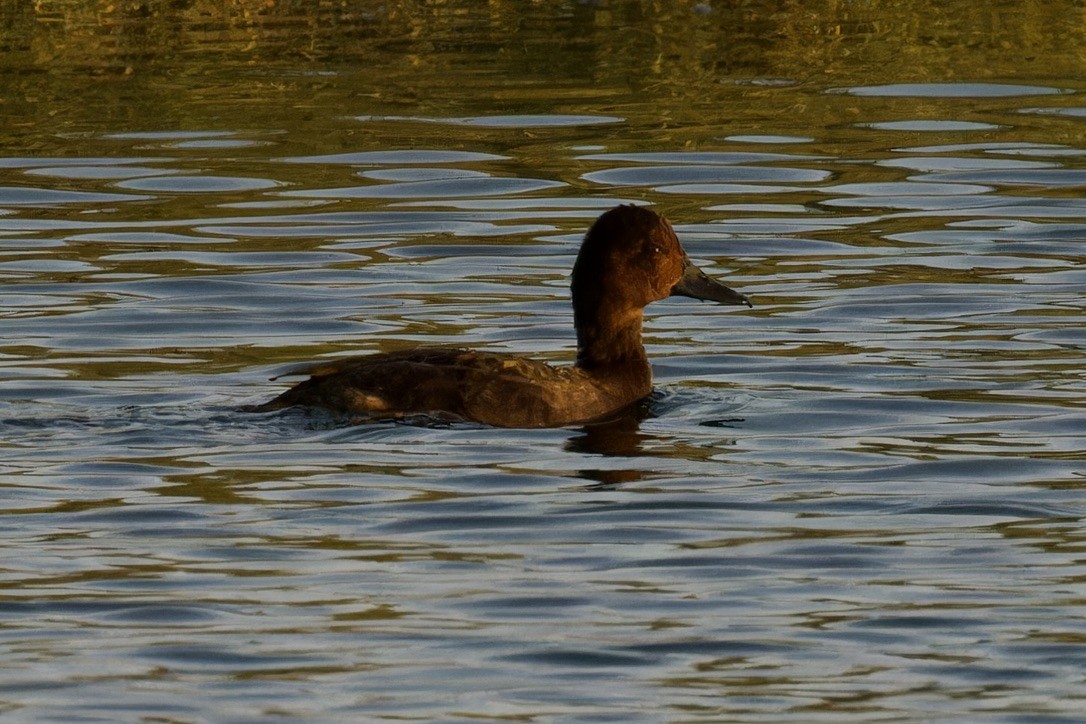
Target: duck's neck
[610,338]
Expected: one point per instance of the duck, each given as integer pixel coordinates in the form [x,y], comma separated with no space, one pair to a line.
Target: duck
[629,258]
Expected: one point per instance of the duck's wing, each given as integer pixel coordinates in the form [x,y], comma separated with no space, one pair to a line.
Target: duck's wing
[481,386]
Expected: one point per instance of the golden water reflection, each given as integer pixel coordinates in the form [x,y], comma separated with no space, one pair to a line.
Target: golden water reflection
[180,61]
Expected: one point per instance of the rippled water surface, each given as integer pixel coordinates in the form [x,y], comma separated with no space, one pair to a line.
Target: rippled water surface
[860,500]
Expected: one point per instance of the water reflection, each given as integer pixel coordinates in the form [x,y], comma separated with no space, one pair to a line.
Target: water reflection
[950,90]
[869,487]
[617,437]
[548,120]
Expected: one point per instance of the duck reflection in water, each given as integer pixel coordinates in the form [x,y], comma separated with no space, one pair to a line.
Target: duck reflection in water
[619,436]
[629,258]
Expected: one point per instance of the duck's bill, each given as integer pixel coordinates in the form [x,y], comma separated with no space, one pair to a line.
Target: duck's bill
[699,285]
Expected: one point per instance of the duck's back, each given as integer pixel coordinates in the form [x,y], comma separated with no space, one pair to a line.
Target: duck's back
[492,388]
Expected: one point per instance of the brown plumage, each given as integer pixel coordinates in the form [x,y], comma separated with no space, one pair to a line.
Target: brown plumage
[629,258]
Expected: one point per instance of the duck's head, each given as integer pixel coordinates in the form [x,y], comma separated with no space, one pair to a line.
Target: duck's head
[631,257]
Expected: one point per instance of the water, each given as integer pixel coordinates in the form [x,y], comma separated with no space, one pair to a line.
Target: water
[860,500]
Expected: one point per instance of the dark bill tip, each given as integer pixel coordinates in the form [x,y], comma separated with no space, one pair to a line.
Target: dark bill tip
[699,285]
